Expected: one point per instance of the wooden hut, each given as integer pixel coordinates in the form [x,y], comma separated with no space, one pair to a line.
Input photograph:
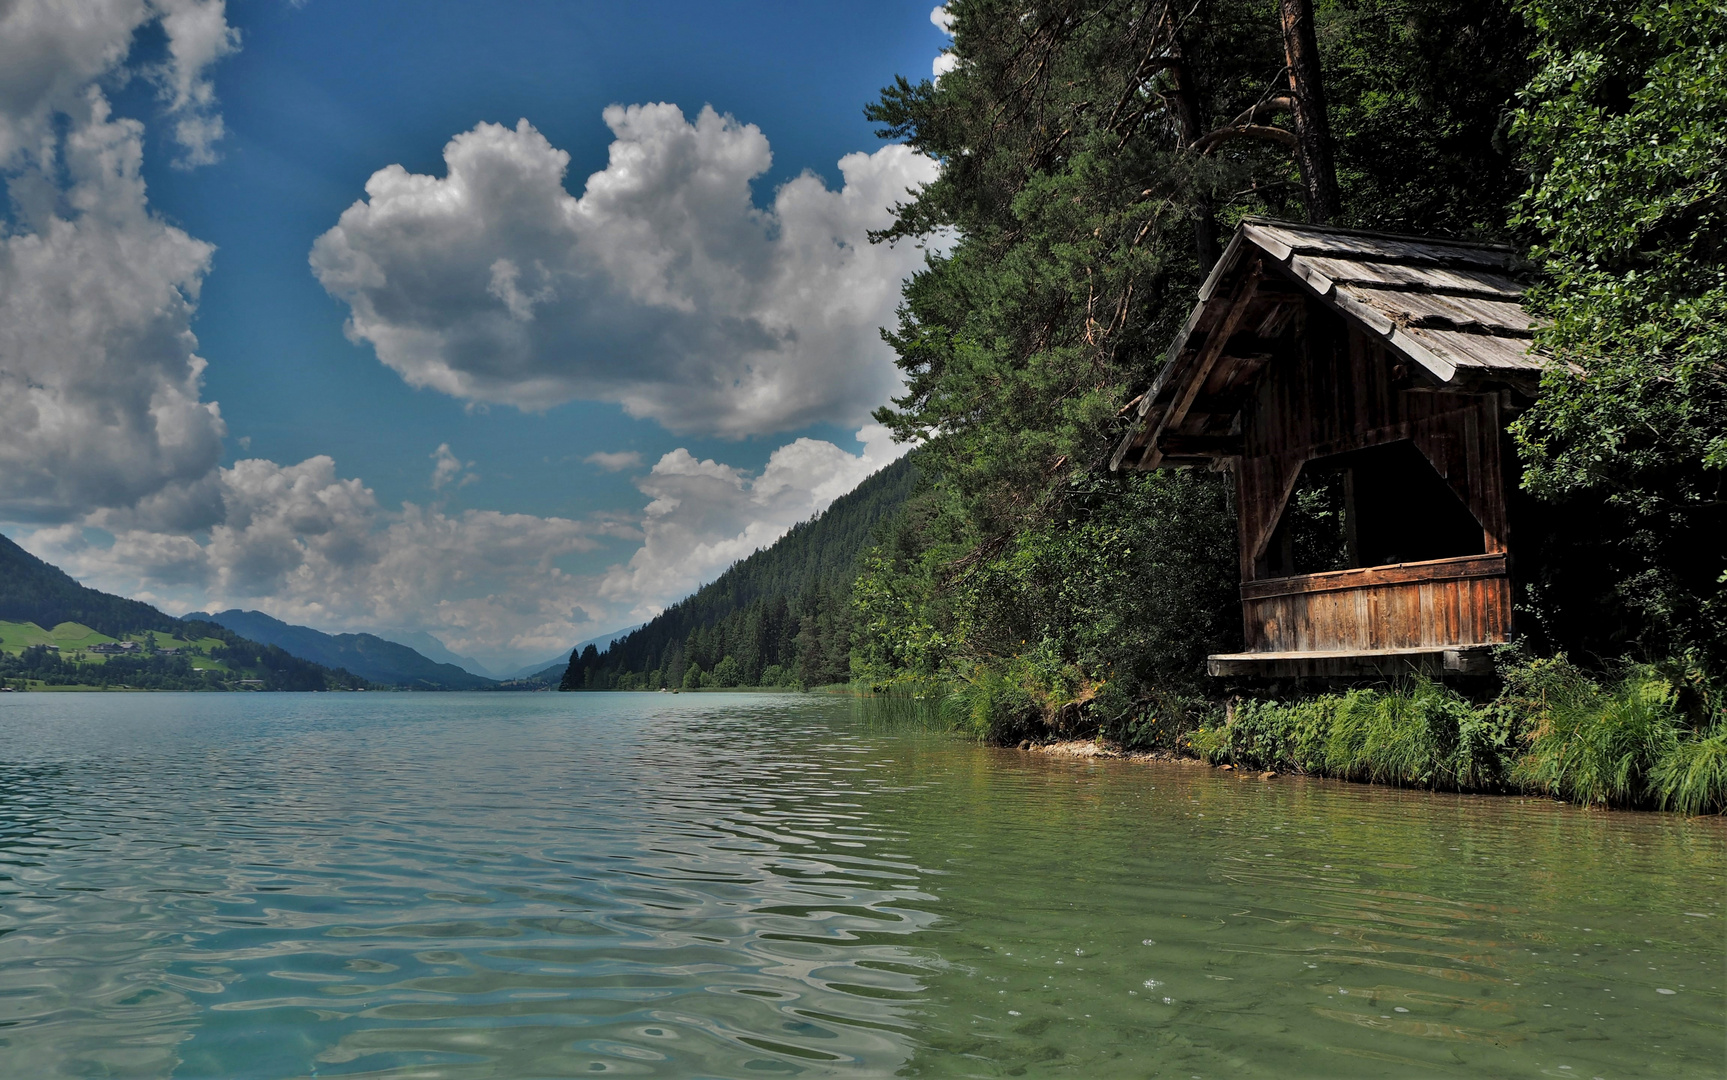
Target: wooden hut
[1358,385]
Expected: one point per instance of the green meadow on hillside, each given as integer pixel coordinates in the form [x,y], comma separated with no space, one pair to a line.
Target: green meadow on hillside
[71,637]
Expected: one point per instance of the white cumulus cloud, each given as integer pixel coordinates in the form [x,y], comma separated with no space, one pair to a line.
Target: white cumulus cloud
[945,61]
[447,468]
[705,515]
[663,287]
[53,51]
[100,386]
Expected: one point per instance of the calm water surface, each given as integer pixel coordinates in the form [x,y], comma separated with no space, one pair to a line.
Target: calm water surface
[550,885]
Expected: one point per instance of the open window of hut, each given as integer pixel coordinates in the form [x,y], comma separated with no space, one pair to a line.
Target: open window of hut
[1357,386]
[1379,506]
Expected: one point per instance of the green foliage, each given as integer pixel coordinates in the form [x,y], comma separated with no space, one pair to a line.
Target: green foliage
[241,664]
[1622,129]
[1421,94]
[1423,735]
[1553,730]
[1085,216]
[994,706]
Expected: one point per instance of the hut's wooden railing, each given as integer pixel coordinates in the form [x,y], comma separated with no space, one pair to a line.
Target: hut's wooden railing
[1443,602]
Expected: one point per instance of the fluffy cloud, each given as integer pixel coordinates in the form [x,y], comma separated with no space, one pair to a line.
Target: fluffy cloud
[663,287]
[704,515]
[100,384]
[53,51]
[447,468]
[310,546]
[100,387]
[945,61]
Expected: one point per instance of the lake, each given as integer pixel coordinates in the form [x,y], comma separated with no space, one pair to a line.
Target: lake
[740,885]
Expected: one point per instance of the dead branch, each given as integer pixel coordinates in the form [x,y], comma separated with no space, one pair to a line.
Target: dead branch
[1245,131]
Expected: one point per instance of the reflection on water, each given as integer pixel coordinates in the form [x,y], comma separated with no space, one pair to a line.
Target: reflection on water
[728,885]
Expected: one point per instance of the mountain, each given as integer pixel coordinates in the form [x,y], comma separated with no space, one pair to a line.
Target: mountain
[782,616]
[552,669]
[433,649]
[33,591]
[366,655]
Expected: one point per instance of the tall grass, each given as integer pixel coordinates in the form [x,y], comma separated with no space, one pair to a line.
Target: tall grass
[1554,730]
[1692,777]
[923,703]
[1594,744]
[1421,735]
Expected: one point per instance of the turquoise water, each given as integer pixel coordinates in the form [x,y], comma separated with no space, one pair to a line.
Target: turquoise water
[725,885]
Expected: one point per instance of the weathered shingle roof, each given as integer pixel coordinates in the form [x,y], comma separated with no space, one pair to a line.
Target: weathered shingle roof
[1446,304]
[1453,308]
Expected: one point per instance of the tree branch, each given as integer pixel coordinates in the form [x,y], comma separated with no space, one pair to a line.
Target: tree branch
[1245,131]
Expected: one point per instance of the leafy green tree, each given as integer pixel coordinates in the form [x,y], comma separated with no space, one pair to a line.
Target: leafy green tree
[1623,129]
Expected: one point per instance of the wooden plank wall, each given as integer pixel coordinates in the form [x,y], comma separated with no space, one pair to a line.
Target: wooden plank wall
[1335,390]
[1465,601]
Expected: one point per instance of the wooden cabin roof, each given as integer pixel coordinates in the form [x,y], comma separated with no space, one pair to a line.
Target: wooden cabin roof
[1452,309]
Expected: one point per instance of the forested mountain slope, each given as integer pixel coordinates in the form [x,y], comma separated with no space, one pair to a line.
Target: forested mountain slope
[366,655]
[34,591]
[782,616]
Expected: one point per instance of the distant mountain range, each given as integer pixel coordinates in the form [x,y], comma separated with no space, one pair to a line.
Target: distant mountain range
[433,649]
[366,655]
[33,591]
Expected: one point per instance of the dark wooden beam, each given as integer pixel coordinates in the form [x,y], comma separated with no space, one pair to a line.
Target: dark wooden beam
[1174,444]
[1207,358]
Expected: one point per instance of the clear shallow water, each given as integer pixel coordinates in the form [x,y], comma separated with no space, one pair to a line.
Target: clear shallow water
[517,885]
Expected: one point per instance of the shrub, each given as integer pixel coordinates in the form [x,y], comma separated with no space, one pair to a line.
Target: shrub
[1422,734]
[1158,720]
[1691,776]
[991,707]
[728,672]
[1597,745]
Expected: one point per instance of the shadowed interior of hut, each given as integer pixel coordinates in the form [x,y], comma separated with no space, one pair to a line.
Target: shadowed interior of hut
[1373,507]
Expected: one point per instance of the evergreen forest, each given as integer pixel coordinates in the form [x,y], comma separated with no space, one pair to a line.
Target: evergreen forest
[781,617]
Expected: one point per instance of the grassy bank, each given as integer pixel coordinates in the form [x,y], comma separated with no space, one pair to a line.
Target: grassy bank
[1650,736]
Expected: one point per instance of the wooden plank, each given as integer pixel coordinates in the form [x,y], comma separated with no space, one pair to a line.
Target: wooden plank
[1354,663]
[1190,386]
[1453,569]
[1225,263]
[1433,279]
[1378,247]
[1481,350]
[1446,311]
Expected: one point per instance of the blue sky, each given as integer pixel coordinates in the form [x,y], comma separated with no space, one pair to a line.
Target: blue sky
[554,410]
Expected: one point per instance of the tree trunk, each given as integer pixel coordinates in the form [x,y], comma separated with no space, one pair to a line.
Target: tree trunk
[1187,114]
[1312,128]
